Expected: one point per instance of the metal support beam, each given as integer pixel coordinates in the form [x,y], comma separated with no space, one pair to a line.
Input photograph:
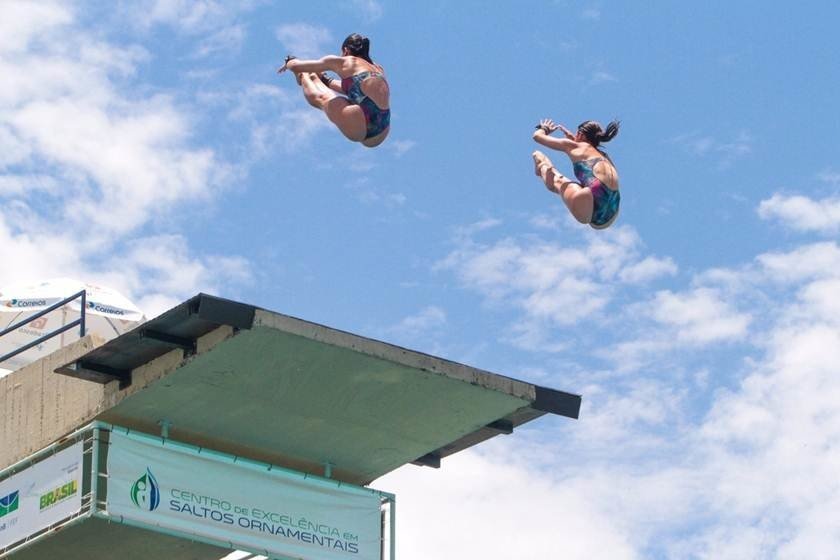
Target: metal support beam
[223,311]
[428,460]
[557,402]
[99,373]
[186,344]
[501,426]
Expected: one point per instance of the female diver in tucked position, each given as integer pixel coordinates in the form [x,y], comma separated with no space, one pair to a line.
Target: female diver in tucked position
[594,198]
[364,115]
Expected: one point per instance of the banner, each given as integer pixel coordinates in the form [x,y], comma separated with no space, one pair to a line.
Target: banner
[279,512]
[41,495]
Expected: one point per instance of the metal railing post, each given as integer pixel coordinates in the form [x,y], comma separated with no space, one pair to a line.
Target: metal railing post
[78,322]
[84,310]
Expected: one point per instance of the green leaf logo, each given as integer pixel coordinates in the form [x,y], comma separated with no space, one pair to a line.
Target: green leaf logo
[145,493]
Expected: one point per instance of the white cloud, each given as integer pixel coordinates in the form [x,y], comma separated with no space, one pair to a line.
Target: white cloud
[490,508]
[427,320]
[401,147]
[814,261]
[552,284]
[390,200]
[699,316]
[820,300]
[647,269]
[227,40]
[547,221]
[371,10]
[163,262]
[726,305]
[659,467]
[592,14]
[24,21]
[627,416]
[189,16]
[772,444]
[278,120]
[216,24]
[463,233]
[726,152]
[135,161]
[752,476]
[306,41]
[601,77]
[29,183]
[829,176]
[801,213]
[88,161]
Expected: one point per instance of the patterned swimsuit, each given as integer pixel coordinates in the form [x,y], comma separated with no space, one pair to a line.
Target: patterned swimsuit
[377,119]
[606,199]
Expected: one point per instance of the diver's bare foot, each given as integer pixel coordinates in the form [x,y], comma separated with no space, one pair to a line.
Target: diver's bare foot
[540,161]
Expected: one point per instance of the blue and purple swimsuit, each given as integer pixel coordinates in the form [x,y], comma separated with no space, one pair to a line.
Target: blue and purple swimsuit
[606,199]
[377,119]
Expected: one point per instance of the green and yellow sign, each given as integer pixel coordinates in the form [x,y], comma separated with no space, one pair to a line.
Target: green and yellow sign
[58,495]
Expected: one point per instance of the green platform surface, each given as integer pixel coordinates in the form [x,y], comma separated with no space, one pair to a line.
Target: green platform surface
[298,394]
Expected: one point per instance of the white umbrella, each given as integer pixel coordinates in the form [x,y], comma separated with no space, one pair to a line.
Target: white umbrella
[107,314]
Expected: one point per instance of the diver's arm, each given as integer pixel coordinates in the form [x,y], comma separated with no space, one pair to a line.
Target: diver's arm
[329,62]
[332,83]
[561,144]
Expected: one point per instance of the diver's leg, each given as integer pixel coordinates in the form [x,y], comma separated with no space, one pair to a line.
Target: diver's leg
[349,118]
[578,200]
[544,169]
[314,91]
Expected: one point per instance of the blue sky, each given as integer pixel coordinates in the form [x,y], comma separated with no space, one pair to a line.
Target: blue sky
[150,146]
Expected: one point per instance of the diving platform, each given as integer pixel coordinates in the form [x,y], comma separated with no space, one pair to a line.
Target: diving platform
[241,382]
[259,384]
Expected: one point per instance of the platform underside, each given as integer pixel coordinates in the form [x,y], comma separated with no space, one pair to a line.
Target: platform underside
[91,538]
[312,403]
[274,388]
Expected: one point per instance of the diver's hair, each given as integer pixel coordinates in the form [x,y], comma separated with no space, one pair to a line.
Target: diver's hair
[595,135]
[358,45]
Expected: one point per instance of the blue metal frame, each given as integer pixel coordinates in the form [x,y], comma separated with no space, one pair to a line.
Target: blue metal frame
[94,506]
[87,435]
[80,322]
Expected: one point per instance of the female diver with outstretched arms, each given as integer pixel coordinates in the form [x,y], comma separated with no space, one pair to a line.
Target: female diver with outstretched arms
[364,115]
[594,199]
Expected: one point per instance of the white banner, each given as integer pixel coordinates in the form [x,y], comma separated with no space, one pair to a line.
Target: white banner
[40,495]
[276,511]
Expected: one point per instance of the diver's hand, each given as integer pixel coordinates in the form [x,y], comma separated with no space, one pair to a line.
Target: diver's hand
[548,126]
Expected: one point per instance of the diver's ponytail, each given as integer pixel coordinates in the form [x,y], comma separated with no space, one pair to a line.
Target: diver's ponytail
[595,135]
[609,134]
